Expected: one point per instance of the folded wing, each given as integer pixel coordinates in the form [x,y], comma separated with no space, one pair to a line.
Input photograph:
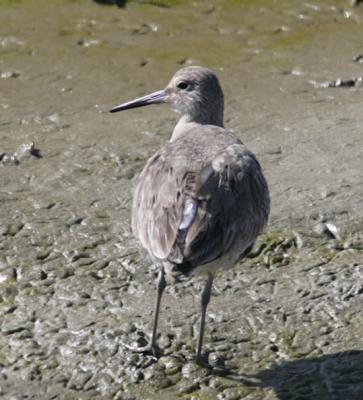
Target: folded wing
[193,213]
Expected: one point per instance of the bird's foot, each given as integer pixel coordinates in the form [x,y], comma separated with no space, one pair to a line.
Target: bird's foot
[148,350]
[202,360]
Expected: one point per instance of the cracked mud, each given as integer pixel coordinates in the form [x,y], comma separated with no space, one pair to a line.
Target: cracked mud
[283,325]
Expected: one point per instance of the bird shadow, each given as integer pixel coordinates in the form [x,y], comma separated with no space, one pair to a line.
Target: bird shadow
[118,3]
[337,376]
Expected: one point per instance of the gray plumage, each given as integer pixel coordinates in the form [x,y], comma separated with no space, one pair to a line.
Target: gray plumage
[201,200]
[209,166]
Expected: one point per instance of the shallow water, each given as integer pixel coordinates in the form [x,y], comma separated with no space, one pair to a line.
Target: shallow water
[69,268]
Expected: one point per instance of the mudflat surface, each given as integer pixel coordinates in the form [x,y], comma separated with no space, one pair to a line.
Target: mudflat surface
[286,323]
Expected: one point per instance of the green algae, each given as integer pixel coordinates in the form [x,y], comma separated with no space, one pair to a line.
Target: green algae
[9,2]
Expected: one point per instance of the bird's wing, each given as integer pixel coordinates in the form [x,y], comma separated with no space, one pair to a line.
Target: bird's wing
[232,203]
[157,206]
[193,215]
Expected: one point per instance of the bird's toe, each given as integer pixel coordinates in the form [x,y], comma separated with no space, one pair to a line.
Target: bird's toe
[148,350]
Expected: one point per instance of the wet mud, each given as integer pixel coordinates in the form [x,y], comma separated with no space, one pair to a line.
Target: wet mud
[283,325]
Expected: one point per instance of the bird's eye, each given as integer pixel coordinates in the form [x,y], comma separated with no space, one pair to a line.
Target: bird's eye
[183,85]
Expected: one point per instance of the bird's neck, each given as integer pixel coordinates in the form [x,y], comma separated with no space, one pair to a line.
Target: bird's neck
[186,122]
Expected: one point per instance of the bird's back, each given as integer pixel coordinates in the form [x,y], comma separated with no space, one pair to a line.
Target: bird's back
[199,196]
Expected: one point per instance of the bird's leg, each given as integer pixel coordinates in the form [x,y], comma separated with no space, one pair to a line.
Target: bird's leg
[161,285]
[153,347]
[205,296]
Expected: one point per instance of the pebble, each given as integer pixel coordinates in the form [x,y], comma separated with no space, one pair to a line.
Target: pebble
[327,230]
[7,275]
[171,365]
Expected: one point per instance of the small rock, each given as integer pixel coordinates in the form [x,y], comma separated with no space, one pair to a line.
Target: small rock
[216,358]
[298,240]
[15,322]
[164,342]
[171,364]
[146,28]
[27,150]
[354,243]
[187,388]
[7,275]
[234,393]
[54,118]
[30,273]
[327,229]
[88,42]
[79,380]
[340,83]
[9,74]
[8,159]
[11,42]
[189,369]
[192,370]
[358,59]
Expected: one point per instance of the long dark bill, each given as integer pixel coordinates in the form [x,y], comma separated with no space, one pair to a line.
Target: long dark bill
[153,98]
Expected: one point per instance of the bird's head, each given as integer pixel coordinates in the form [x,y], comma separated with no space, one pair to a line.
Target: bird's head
[195,93]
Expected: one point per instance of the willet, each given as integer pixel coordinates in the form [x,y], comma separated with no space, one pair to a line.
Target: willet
[201,200]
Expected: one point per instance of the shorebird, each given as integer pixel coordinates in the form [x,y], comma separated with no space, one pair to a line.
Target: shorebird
[201,200]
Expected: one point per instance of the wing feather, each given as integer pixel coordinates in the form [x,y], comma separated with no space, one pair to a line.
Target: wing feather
[231,198]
